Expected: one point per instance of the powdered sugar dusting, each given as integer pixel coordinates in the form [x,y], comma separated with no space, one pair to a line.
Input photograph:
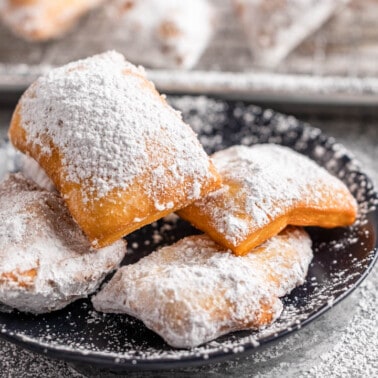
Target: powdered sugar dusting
[32,171]
[251,125]
[271,180]
[13,229]
[170,33]
[46,261]
[108,122]
[41,19]
[189,295]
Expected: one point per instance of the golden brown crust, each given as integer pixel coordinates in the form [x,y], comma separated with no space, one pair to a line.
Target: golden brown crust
[104,220]
[124,208]
[322,201]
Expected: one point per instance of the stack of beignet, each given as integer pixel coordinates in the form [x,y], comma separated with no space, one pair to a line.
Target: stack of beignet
[120,157]
[195,290]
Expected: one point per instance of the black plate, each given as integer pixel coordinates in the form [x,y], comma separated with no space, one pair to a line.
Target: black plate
[343,257]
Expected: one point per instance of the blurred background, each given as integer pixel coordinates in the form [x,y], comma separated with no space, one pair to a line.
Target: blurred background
[315,51]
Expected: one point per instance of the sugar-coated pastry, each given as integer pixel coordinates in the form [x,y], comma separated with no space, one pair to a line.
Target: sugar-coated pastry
[265,188]
[169,33]
[274,28]
[41,20]
[46,262]
[194,291]
[120,156]
[32,171]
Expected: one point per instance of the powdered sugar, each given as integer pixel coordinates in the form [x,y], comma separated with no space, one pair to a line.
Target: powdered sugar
[32,171]
[262,183]
[169,33]
[189,295]
[111,128]
[46,261]
[13,230]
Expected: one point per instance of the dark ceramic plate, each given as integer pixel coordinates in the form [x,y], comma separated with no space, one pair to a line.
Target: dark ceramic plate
[343,257]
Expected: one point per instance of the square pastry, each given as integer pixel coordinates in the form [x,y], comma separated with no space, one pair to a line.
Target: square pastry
[195,290]
[46,262]
[120,156]
[265,188]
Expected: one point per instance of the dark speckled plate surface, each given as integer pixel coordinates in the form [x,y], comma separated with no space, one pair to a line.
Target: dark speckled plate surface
[343,257]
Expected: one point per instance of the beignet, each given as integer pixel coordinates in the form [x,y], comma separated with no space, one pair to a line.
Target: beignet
[275,28]
[120,156]
[46,262]
[40,20]
[194,291]
[169,33]
[265,188]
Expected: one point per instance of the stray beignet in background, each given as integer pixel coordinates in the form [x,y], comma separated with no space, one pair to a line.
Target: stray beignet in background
[119,155]
[41,20]
[169,33]
[265,188]
[194,291]
[275,28]
[46,262]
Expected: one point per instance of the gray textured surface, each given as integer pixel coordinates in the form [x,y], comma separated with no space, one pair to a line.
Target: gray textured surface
[342,343]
